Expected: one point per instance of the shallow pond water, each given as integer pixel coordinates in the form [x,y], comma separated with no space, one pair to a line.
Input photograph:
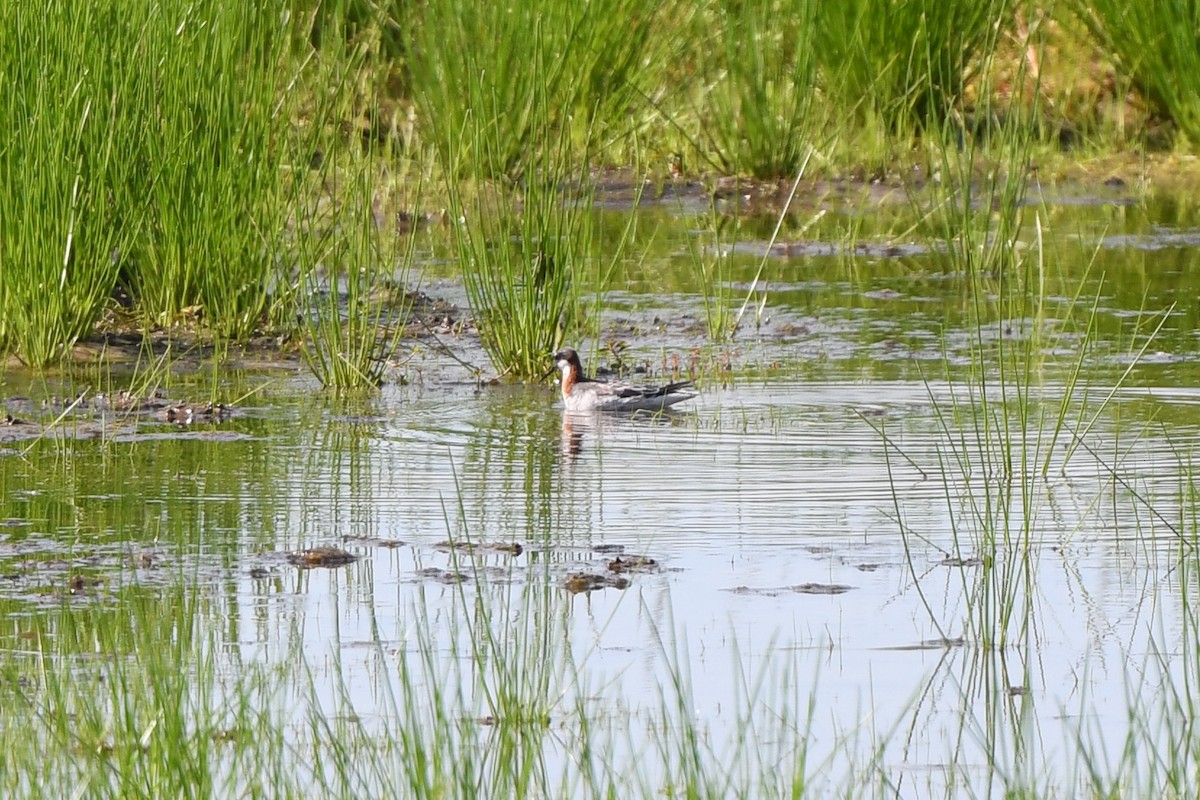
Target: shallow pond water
[838,537]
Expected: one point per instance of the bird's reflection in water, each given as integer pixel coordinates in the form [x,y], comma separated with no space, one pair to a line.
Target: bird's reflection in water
[574,428]
[577,427]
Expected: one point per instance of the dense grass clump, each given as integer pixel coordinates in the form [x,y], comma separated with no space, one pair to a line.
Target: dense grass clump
[161,150]
[762,101]
[1157,43]
[150,143]
[904,64]
[62,232]
[355,301]
[526,255]
[206,113]
[498,84]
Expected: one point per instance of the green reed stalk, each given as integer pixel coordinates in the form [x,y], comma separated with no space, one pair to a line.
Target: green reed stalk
[497,84]
[758,109]
[61,236]
[1156,749]
[710,258]
[355,272]
[206,114]
[762,265]
[1000,435]
[529,253]
[767,754]
[523,268]
[149,142]
[992,426]
[1155,43]
[903,65]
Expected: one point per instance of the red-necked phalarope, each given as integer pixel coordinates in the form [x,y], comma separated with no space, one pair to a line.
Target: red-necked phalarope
[584,394]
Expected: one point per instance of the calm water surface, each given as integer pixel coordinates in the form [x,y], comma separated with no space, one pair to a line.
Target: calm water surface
[816,532]
[757,490]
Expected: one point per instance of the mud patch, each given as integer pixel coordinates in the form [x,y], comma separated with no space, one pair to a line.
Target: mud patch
[123,416]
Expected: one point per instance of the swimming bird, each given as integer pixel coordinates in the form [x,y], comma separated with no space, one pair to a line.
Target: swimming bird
[585,394]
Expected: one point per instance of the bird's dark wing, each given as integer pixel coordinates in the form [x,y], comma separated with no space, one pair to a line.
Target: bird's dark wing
[652,391]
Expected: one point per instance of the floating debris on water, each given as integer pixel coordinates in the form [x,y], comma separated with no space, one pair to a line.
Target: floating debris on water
[321,557]
[187,413]
[578,582]
[375,541]
[956,561]
[800,588]
[632,564]
[443,576]
[82,583]
[511,548]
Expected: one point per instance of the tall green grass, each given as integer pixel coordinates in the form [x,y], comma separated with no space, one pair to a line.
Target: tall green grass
[354,274]
[166,164]
[526,257]
[497,85]
[63,235]
[149,143]
[1155,43]
[995,430]
[710,254]
[760,110]
[1006,432]
[904,65]
[207,110]
[531,256]
[853,81]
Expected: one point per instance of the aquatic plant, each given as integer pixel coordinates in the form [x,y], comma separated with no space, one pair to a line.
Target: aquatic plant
[710,259]
[145,697]
[530,254]
[1154,43]
[524,253]
[1005,433]
[903,65]
[759,98]
[995,433]
[354,274]
[497,85]
[158,168]
[62,240]
[252,678]
[754,292]
[206,110]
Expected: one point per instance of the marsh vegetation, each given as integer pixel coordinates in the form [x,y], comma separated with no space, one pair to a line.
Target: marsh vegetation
[286,506]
